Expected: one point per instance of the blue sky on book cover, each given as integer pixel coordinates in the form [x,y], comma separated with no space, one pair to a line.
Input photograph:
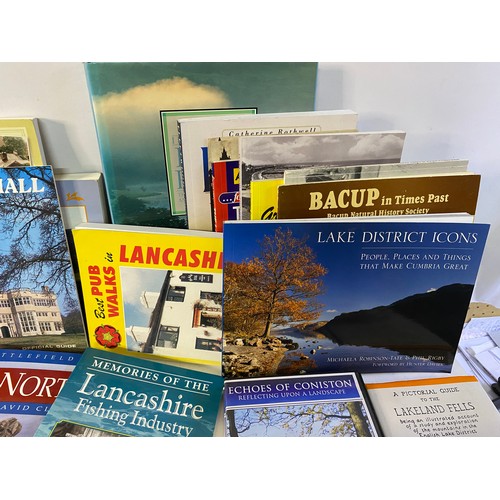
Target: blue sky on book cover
[380,279]
[35,260]
[127,99]
[298,406]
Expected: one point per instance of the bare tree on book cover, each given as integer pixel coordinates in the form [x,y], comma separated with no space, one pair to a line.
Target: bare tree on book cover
[37,254]
[300,420]
[275,288]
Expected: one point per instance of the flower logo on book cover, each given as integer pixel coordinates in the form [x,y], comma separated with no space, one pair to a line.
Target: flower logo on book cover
[107,336]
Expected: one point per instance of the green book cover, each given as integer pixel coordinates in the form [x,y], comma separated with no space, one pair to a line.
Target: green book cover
[110,394]
[127,99]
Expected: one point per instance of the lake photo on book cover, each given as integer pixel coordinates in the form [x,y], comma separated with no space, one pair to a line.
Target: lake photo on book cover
[319,354]
[346,295]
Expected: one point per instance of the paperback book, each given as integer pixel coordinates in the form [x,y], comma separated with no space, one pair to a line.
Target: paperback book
[225,192]
[323,173]
[173,150]
[115,395]
[335,295]
[195,134]
[331,405]
[455,406]
[30,381]
[82,197]
[392,196]
[20,142]
[266,158]
[39,303]
[156,291]
[128,96]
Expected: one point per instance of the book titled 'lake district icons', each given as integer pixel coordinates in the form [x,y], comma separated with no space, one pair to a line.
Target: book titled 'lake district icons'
[114,395]
[30,381]
[322,296]
[39,304]
[330,405]
[152,290]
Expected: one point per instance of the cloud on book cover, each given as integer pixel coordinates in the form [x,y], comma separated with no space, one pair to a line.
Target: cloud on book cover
[141,101]
[374,146]
[313,148]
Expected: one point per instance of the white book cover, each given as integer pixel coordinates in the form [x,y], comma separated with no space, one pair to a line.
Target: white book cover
[269,157]
[82,197]
[195,133]
[455,406]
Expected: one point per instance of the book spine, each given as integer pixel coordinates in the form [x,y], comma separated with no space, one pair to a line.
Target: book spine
[369,405]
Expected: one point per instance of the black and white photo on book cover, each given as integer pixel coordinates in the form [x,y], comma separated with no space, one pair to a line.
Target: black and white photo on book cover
[268,157]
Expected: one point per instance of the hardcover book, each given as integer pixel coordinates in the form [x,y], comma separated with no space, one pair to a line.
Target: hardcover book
[115,395]
[20,142]
[30,381]
[82,197]
[455,406]
[264,158]
[389,196]
[335,295]
[173,151]
[195,134]
[127,98]
[156,291]
[331,405]
[39,304]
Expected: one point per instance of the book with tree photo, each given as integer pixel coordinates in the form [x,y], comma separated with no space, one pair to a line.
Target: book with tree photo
[331,405]
[39,305]
[323,296]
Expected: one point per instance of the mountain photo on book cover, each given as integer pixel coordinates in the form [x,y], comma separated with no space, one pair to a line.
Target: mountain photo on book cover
[317,297]
[39,306]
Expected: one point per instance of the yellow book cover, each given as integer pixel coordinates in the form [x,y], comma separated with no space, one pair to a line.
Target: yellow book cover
[20,143]
[150,290]
[264,198]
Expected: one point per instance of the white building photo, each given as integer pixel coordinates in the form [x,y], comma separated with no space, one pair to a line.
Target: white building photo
[186,318]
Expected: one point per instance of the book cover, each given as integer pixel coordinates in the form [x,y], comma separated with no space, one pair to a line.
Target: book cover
[82,197]
[455,406]
[322,173]
[196,133]
[225,192]
[333,295]
[388,196]
[268,157]
[30,381]
[173,151]
[330,405]
[115,395]
[263,198]
[156,291]
[127,97]
[39,304]
[20,142]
